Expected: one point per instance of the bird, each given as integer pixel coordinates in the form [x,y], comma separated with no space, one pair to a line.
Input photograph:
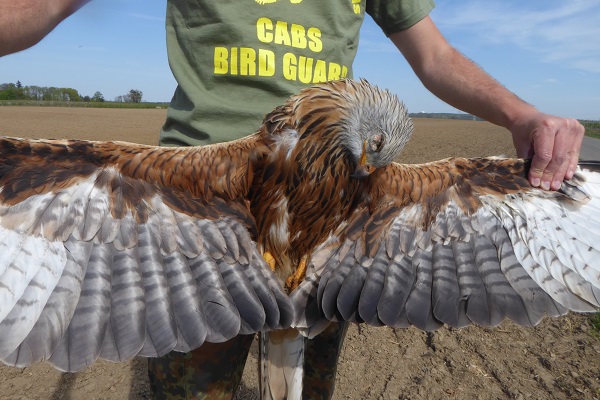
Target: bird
[114,250]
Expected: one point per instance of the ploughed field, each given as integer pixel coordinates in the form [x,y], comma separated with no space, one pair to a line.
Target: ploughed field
[559,359]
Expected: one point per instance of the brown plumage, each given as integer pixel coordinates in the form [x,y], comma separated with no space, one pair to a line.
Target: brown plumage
[111,250]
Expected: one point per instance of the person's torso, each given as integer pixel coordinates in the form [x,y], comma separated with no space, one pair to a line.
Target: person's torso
[236,60]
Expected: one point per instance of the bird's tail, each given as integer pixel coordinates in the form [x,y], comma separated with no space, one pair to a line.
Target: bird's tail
[281,364]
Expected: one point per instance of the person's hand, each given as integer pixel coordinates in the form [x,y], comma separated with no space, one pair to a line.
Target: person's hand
[553,143]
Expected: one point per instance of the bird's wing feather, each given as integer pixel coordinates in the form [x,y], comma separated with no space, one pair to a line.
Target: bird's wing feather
[107,251]
[458,242]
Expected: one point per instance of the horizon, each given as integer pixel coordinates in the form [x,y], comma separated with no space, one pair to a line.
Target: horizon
[546,52]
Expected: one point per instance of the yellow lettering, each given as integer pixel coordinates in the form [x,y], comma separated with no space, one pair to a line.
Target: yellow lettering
[221,64]
[305,69]
[264,30]
[334,72]
[281,34]
[294,35]
[266,62]
[314,38]
[247,61]
[298,36]
[290,68]
[320,74]
[233,61]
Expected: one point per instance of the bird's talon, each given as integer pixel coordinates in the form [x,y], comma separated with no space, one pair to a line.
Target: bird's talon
[294,280]
[270,260]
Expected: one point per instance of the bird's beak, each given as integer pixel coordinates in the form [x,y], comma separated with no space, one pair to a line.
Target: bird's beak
[363,169]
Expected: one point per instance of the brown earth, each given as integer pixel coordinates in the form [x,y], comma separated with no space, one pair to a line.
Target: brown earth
[559,359]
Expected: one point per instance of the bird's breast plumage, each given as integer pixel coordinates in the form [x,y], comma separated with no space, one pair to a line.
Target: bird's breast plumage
[302,192]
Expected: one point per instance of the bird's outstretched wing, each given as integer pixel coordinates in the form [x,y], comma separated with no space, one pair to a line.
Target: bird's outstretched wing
[114,250]
[456,242]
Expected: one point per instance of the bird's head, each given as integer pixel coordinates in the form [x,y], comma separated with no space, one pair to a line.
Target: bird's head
[370,124]
[375,127]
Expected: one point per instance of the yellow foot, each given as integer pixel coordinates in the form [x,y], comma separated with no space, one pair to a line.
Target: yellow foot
[270,260]
[266,1]
[297,277]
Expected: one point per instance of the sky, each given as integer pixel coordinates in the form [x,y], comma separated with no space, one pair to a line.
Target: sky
[547,52]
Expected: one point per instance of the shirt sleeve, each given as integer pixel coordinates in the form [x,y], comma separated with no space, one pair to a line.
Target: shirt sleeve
[397,15]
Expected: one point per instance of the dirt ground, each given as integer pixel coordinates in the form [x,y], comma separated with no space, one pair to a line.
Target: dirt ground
[559,359]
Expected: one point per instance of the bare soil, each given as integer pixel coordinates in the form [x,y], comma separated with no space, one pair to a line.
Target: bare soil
[559,359]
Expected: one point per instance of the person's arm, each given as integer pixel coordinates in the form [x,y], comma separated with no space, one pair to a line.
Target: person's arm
[23,23]
[552,142]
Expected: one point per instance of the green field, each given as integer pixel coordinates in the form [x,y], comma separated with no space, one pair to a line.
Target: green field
[85,104]
[592,128]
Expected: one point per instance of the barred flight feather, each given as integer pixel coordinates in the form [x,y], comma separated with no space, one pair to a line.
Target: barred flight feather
[112,250]
[520,254]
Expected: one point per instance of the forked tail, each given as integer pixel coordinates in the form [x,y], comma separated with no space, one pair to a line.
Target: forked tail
[281,364]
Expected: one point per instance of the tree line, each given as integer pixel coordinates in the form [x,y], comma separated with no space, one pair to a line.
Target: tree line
[16,91]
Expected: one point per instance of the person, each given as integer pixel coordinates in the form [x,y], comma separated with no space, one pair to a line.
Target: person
[234,64]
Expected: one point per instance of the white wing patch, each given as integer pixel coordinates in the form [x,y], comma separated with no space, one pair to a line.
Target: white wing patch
[78,283]
[519,256]
[28,278]
[559,244]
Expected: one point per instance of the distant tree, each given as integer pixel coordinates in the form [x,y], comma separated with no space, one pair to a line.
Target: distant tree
[33,92]
[135,95]
[8,94]
[50,94]
[58,94]
[11,91]
[87,99]
[99,97]
[69,94]
[19,91]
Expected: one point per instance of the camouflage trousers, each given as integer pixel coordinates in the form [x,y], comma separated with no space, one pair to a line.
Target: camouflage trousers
[214,370]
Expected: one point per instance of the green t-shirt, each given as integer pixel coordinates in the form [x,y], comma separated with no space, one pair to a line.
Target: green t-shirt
[234,61]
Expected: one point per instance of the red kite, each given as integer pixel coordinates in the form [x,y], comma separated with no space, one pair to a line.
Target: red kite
[112,250]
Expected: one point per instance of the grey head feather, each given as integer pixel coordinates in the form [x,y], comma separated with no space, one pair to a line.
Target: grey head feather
[377,118]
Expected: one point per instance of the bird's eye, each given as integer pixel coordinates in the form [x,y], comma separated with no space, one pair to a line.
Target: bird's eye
[376,142]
